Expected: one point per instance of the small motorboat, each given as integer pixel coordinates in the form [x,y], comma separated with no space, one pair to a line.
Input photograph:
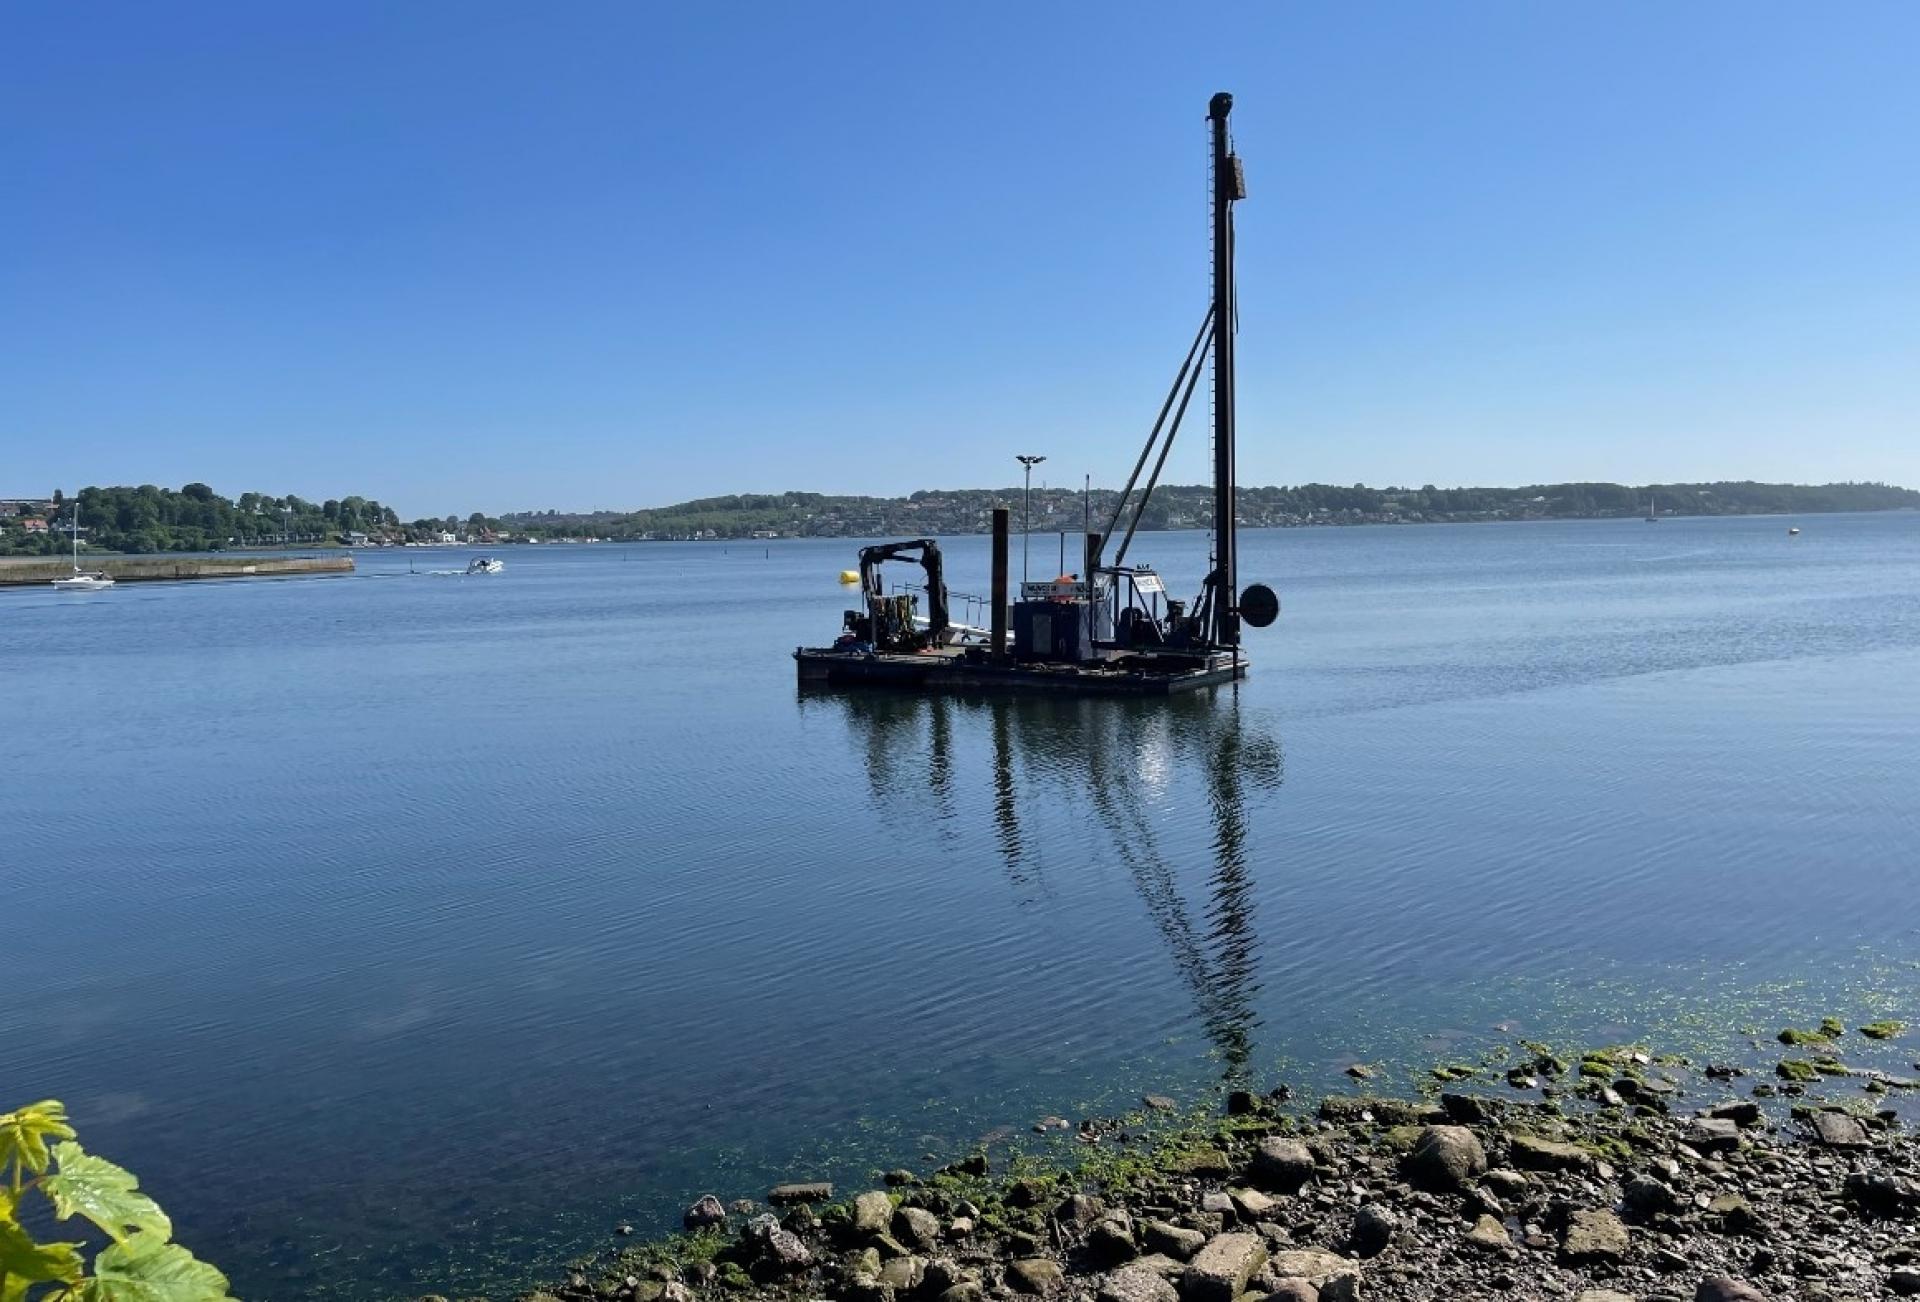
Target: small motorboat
[485,565]
[1793,531]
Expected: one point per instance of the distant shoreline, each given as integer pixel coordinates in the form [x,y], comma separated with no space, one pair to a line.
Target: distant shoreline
[149,520]
[26,570]
[1052,529]
[958,512]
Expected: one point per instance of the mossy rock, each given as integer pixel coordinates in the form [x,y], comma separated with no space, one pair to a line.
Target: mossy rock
[1882,1030]
[1609,1148]
[1794,1037]
[1596,1068]
[1400,1139]
[1204,1162]
[1454,1071]
[1798,1070]
[1544,1062]
[1352,1109]
[1031,1190]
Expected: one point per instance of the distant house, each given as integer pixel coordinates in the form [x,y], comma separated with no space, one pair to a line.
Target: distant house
[766,533]
[354,538]
[34,526]
[446,537]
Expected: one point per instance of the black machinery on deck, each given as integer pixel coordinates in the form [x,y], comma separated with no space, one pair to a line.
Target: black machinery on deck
[1114,630]
[890,621]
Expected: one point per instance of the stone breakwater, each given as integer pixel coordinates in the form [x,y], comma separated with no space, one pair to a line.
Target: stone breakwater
[1616,1178]
[171,569]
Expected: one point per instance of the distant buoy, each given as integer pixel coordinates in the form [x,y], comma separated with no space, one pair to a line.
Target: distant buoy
[849,576]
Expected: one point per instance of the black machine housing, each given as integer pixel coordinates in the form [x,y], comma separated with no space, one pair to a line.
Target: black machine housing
[887,622]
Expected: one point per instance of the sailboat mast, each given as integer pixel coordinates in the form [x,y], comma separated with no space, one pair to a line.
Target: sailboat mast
[1229,185]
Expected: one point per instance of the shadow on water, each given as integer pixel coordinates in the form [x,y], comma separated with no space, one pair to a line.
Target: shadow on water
[1118,756]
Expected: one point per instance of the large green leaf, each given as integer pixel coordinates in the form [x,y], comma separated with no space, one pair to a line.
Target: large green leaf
[145,1269]
[25,1131]
[24,1262]
[105,1194]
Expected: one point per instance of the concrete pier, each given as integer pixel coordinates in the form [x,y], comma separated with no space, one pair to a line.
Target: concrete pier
[24,571]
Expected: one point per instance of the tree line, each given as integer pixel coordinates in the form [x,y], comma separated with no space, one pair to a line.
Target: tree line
[195,518]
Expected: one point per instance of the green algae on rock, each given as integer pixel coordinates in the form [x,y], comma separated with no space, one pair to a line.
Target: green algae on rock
[1794,1037]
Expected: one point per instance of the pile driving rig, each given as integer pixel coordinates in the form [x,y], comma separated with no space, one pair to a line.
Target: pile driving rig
[1114,631]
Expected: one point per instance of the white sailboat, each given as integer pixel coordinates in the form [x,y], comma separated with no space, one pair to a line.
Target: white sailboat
[81,580]
[1653,516]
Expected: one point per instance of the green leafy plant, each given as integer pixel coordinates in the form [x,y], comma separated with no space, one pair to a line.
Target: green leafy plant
[40,1158]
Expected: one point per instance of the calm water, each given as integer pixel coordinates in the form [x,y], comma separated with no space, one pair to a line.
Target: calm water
[405,930]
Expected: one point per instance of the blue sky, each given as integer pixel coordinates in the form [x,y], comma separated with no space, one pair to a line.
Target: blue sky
[498,256]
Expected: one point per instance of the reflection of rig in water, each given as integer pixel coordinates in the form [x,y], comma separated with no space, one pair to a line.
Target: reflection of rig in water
[1117,756]
[1114,632]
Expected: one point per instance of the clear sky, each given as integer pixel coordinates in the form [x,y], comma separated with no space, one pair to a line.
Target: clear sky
[475,255]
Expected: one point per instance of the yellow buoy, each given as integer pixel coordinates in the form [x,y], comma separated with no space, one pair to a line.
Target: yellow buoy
[849,576]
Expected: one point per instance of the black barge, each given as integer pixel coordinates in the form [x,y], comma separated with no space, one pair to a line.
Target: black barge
[1110,630]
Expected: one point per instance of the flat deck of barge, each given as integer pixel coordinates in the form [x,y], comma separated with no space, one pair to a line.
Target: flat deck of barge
[955,670]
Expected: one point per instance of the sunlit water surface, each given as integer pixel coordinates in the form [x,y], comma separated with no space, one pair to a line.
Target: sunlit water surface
[407,932]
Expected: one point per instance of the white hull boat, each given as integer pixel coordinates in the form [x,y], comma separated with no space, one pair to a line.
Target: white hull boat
[81,580]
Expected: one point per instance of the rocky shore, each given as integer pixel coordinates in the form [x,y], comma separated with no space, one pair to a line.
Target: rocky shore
[1614,1176]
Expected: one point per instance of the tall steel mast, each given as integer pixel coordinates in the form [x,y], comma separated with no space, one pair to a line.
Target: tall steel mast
[1229,185]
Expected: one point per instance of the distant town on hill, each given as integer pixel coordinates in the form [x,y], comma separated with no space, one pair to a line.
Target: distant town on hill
[1190,506]
[195,518]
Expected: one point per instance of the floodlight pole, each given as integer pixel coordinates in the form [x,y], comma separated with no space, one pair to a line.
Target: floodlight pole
[1026,513]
